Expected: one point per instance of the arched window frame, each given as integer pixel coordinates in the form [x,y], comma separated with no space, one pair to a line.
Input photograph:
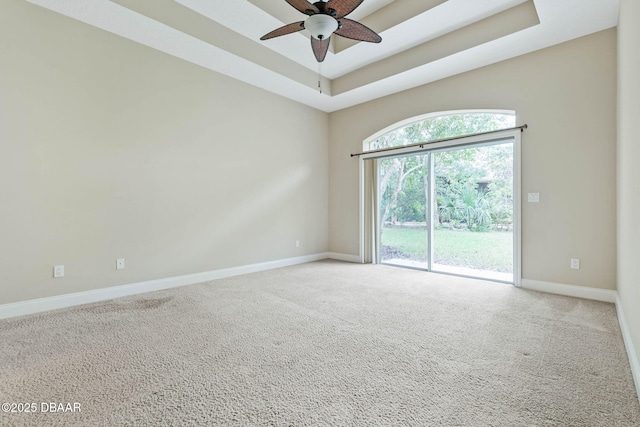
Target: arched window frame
[366,144]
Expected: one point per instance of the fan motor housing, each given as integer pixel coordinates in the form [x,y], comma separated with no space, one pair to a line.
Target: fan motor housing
[322,7]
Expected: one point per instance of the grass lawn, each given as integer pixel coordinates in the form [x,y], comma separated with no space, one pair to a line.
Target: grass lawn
[492,250]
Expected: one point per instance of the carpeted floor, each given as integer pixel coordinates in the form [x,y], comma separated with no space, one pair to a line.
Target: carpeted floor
[323,344]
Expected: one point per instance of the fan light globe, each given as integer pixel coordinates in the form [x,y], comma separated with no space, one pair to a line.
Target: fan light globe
[321,26]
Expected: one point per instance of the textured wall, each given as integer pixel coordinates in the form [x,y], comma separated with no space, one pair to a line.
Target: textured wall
[567,96]
[110,149]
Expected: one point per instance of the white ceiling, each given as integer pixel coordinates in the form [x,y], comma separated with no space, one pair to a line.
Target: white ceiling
[422,40]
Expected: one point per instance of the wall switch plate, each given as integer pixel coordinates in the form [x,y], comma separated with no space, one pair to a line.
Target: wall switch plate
[58,271]
[119,263]
[534,197]
[575,264]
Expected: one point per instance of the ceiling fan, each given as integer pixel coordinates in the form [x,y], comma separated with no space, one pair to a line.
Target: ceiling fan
[326,18]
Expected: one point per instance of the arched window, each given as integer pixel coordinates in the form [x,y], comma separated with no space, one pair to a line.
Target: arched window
[434,126]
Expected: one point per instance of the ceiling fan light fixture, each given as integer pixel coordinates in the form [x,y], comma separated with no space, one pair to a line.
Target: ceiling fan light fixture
[321,26]
[326,18]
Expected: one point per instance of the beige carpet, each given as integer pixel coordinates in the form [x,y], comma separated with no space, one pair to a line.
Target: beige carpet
[324,344]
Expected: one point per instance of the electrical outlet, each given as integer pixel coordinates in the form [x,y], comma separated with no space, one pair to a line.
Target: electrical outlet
[58,271]
[119,263]
[533,197]
[297,243]
[575,264]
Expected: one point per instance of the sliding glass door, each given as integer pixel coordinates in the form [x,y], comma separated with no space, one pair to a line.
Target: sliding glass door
[449,210]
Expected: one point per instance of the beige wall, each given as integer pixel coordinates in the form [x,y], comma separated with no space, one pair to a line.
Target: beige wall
[628,168]
[567,96]
[110,149]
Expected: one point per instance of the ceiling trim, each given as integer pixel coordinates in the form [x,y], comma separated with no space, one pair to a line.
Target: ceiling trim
[423,41]
[497,26]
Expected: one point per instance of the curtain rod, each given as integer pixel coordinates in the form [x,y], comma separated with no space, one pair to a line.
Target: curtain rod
[422,144]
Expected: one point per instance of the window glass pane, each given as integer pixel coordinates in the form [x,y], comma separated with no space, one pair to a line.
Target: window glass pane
[446,126]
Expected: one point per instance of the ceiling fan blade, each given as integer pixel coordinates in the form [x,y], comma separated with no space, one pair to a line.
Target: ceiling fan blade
[343,7]
[304,6]
[287,29]
[320,47]
[356,31]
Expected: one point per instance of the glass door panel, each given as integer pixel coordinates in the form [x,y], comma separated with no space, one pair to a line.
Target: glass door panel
[403,199]
[473,214]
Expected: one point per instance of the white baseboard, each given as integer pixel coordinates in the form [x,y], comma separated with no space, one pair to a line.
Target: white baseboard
[596,294]
[68,300]
[628,343]
[344,257]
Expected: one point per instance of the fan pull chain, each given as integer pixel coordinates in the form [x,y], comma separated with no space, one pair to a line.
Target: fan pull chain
[319,76]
